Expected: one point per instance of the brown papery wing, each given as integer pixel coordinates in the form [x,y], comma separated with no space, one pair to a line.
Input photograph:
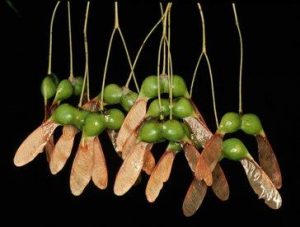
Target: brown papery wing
[129,145]
[204,172]
[268,160]
[62,149]
[82,167]
[34,143]
[149,162]
[198,114]
[199,130]
[132,120]
[194,197]
[220,185]
[130,169]
[160,175]
[49,148]
[99,175]
[261,183]
[210,154]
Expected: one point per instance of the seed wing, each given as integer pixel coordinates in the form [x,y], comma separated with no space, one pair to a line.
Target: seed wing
[34,143]
[261,183]
[268,160]
[62,149]
[160,175]
[149,162]
[220,185]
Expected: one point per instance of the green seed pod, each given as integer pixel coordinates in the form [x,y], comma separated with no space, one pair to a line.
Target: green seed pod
[150,132]
[64,114]
[182,108]
[174,146]
[94,124]
[114,119]
[173,130]
[251,124]
[128,99]
[112,94]
[79,118]
[77,85]
[230,122]
[164,84]
[155,111]
[179,87]
[48,86]
[64,90]
[234,149]
[149,87]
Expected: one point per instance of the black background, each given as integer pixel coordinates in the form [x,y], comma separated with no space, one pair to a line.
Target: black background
[271,79]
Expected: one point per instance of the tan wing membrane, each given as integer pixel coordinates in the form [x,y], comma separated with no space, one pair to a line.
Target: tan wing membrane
[34,143]
[268,160]
[203,172]
[82,167]
[129,145]
[261,183]
[220,185]
[149,162]
[62,149]
[133,119]
[49,148]
[194,197]
[130,169]
[99,175]
[192,155]
[160,174]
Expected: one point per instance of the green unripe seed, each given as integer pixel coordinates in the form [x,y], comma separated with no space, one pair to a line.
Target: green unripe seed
[64,114]
[64,90]
[155,111]
[234,149]
[78,85]
[230,122]
[112,94]
[164,84]
[149,87]
[182,108]
[174,146]
[128,100]
[94,124]
[79,118]
[114,119]
[173,130]
[251,124]
[179,87]
[150,132]
[48,87]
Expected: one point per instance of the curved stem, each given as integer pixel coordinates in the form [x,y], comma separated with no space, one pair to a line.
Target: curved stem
[170,65]
[142,46]
[71,77]
[50,38]
[241,58]
[86,73]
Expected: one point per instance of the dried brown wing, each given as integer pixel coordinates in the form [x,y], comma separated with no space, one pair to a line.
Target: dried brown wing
[198,113]
[192,155]
[112,134]
[62,149]
[129,145]
[199,130]
[203,172]
[220,185]
[49,148]
[34,143]
[130,169]
[261,183]
[99,175]
[268,160]
[212,152]
[160,175]
[149,162]
[194,197]
[82,167]
[132,120]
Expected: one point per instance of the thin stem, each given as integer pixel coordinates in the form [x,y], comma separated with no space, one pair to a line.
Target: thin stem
[50,38]
[86,73]
[71,77]
[164,44]
[241,58]
[204,53]
[170,65]
[142,46]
